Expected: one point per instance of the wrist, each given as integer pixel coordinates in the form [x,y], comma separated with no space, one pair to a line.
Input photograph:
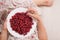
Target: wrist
[4,28]
[39,19]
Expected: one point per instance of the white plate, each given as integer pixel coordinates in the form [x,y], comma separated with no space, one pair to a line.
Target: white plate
[15,34]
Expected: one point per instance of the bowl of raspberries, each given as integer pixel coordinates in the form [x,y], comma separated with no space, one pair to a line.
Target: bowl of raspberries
[19,24]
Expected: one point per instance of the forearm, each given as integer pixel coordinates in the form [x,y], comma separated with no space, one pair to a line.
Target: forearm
[41,31]
[4,34]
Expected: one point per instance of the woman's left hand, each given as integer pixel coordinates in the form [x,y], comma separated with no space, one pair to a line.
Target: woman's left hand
[33,13]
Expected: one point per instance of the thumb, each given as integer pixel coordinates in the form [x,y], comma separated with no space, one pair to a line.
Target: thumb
[30,14]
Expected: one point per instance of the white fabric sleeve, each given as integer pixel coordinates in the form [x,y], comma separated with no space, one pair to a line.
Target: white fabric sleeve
[23,3]
[19,3]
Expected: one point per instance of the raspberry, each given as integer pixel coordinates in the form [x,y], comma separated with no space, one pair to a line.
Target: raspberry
[21,23]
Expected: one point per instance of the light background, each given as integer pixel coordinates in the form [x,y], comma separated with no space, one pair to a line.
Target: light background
[51,19]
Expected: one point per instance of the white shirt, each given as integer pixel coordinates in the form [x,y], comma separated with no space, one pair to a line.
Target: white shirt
[6,4]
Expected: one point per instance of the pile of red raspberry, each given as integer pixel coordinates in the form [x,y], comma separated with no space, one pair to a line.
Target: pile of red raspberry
[21,23]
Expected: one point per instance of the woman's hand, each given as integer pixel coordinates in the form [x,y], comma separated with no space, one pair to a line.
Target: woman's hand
[33,13]
[47,3]
[42,35]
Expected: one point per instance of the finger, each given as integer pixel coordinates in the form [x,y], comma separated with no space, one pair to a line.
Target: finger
[32,15]
[31,10]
